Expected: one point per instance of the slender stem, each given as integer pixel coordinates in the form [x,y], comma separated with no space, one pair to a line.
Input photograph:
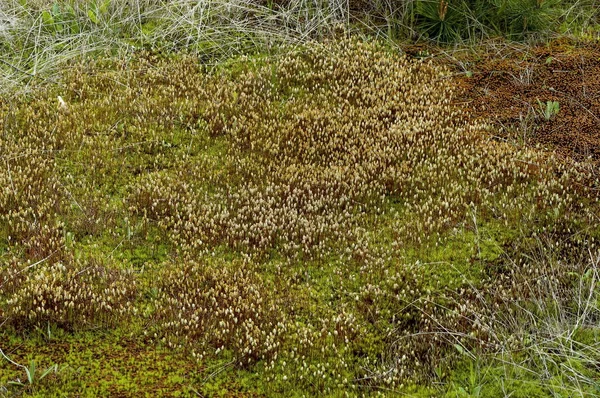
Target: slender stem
[11,361]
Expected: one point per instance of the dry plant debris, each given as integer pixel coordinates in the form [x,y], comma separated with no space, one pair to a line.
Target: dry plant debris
[507,84]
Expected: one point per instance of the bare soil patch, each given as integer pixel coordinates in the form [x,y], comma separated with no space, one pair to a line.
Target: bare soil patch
[510,86]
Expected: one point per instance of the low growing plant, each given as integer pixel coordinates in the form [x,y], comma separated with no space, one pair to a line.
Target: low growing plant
[34,377]
[549,109]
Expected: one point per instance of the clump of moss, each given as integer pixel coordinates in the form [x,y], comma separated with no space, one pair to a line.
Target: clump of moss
[322,138]
[72,295]
[208,308]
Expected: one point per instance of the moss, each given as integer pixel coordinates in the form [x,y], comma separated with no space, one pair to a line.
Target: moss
[321,222]
[119,365]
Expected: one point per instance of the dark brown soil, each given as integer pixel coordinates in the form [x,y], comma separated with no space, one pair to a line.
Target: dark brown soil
[509,86]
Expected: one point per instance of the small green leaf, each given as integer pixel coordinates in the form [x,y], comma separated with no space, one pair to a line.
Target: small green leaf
[74,27]
[49,370]
[103,9]
[56,11]
[47,18]
[459,348]
[92,15]
[30,372]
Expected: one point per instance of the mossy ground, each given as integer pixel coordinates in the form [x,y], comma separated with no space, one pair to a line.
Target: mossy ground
[248,238]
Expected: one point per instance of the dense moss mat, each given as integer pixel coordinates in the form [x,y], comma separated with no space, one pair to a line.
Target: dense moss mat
[319,223]
[98,364]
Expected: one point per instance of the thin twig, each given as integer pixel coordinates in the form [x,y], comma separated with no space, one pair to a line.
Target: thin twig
[16,68]
[11,361]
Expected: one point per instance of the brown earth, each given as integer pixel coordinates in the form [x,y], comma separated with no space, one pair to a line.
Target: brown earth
[509,85]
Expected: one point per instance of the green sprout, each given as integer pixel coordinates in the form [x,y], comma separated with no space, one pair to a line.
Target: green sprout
[549,109]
